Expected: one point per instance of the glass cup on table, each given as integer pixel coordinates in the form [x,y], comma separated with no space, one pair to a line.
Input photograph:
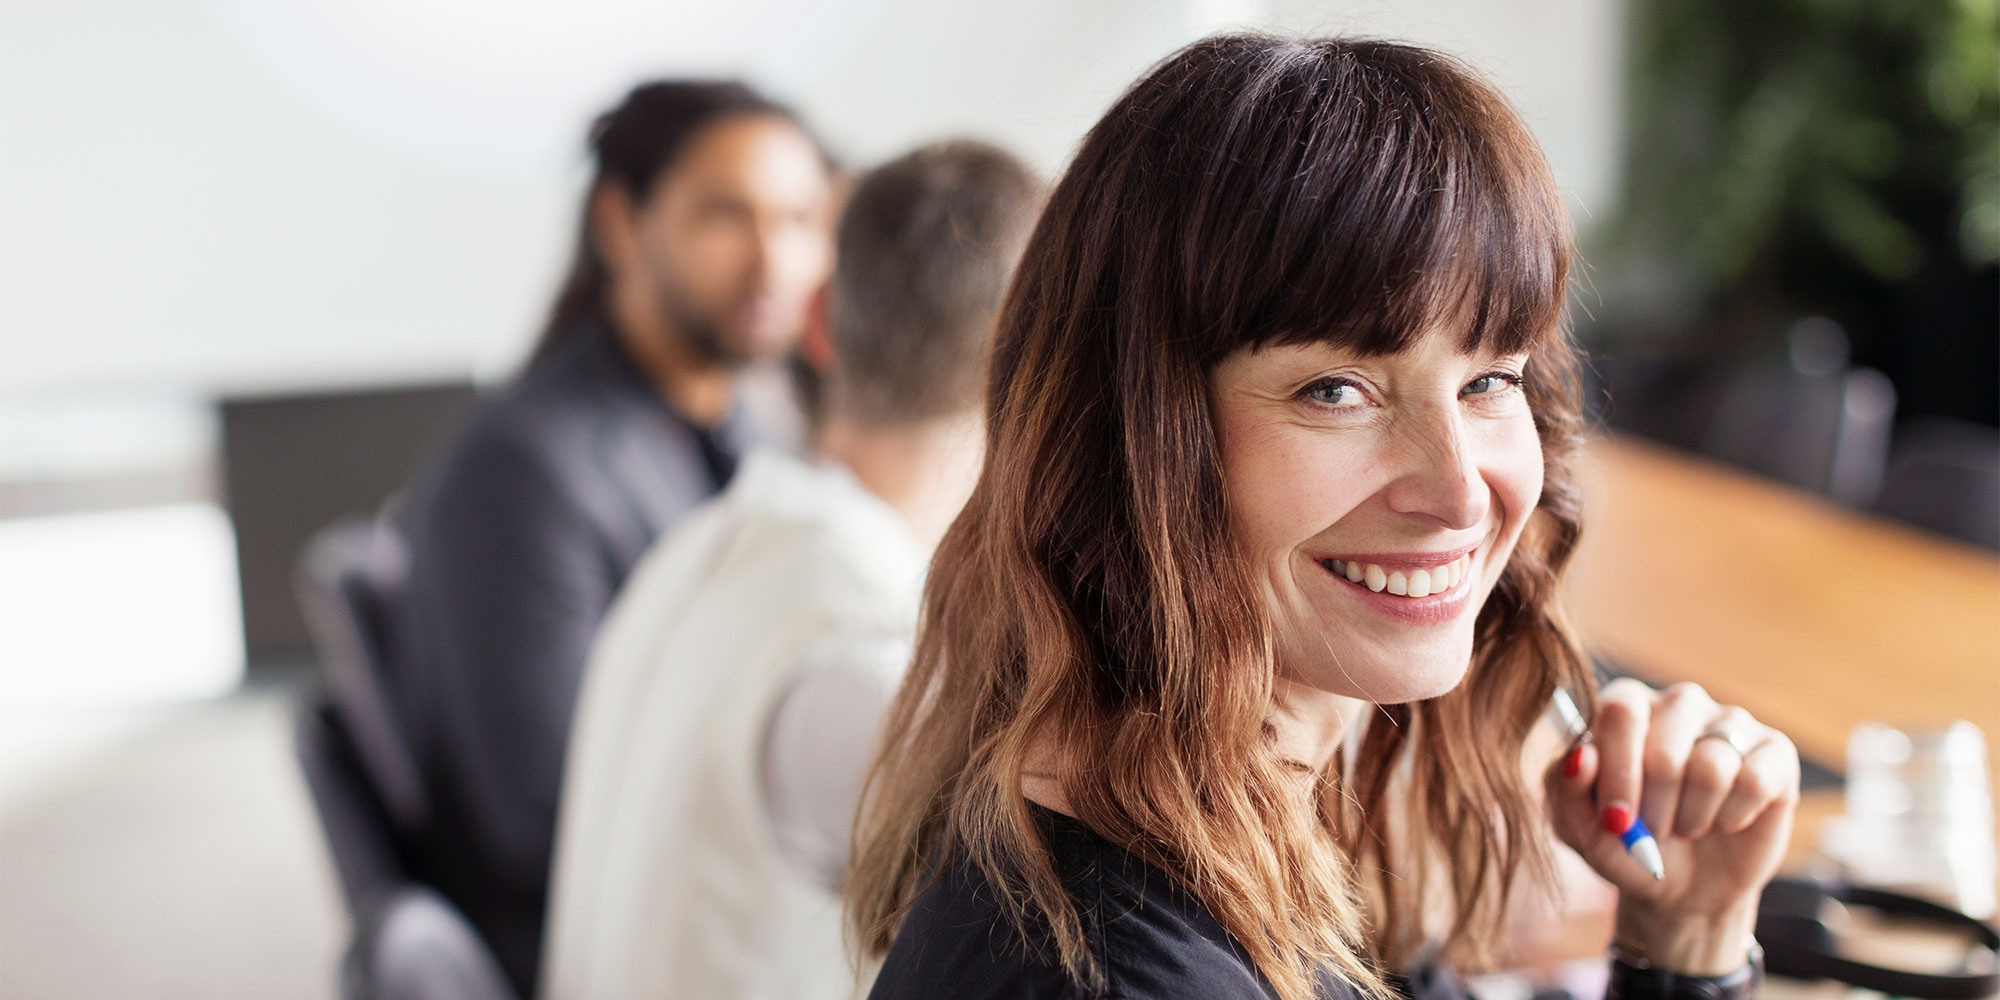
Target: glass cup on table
[1919,815]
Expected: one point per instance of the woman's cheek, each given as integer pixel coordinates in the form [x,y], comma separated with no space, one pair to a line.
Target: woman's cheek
[1515,475]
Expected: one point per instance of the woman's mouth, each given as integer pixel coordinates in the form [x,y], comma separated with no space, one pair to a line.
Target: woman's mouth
[1402,581]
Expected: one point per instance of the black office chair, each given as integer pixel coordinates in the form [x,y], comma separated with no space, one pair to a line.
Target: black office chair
[1944,475]
[1812,422]
[366,781]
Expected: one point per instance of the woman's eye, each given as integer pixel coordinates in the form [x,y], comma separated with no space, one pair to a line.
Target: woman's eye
[1492,384]
[1330,393]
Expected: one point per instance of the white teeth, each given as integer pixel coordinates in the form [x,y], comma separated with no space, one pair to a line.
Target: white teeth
[1414,583]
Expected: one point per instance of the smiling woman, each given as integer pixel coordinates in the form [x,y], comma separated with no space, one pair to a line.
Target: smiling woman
[1383,492]
[1227,669]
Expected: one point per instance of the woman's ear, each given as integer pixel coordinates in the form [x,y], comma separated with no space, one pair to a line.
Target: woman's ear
[816,344]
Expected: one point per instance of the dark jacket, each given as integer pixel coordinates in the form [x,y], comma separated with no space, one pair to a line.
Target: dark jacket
[1150,938]
[520,532]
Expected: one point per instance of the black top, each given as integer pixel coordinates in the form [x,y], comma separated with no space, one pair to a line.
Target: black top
[521,530]
[1151,938]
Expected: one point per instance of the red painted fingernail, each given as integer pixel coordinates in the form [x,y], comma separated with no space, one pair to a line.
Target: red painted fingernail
[1573,764]
[1617,820]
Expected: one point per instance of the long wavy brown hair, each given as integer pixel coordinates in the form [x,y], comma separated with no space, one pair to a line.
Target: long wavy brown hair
[1088,611]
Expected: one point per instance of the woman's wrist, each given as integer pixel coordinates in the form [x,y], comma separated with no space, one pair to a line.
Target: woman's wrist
[1692,945]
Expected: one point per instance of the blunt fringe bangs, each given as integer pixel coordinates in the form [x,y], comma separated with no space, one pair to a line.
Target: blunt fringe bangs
[1345,191]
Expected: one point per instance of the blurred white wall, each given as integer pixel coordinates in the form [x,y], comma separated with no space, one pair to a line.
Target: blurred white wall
[204,197]
[210,195]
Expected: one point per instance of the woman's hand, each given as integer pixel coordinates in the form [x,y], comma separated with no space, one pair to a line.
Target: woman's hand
[1722,818]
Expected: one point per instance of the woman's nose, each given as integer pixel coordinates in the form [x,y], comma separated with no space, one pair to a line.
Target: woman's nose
[1440,476]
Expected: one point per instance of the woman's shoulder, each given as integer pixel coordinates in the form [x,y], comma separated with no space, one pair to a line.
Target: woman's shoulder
[1148,936]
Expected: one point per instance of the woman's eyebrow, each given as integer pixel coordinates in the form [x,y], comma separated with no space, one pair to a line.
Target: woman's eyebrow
[1487,357]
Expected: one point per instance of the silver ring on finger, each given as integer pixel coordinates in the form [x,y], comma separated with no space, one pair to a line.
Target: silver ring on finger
[1728,739]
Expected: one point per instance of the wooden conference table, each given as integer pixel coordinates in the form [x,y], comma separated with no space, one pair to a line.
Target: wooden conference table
[1811,616]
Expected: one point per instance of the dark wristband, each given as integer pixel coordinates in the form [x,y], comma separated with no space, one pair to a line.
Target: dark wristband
[1634,979]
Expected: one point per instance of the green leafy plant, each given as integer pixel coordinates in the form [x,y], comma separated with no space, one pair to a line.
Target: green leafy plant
[1792,156]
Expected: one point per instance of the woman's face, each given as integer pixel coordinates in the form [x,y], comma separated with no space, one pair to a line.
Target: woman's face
[1377,499]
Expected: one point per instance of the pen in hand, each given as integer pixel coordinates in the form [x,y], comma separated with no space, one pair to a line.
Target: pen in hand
[1638,840]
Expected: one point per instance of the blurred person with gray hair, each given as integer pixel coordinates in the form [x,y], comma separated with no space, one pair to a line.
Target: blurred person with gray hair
[732,700]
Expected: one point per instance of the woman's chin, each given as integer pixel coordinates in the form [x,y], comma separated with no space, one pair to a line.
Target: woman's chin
[1406,679]
[1392,669]
[1423,689]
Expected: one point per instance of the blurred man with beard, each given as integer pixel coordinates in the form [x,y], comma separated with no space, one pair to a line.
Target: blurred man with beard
[706,233]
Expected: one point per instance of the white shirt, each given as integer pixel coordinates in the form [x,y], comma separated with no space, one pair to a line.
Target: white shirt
[726,718]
